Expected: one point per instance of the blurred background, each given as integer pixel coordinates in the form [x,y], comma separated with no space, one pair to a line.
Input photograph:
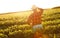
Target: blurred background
[22,5]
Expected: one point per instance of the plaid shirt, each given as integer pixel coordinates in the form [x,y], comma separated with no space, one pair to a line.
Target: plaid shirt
[35,18]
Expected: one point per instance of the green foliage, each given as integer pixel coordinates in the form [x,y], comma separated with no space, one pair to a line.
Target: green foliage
[15,27]
[51,21]
[3,35]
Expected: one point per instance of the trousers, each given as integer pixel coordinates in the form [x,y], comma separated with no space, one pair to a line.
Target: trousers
[38,26]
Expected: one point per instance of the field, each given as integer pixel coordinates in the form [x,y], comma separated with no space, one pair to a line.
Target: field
[13,25]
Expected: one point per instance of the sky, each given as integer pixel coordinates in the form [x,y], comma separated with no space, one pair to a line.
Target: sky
[22,5]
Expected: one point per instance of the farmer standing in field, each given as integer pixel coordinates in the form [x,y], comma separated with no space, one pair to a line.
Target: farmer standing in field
[35,21]
[35,18]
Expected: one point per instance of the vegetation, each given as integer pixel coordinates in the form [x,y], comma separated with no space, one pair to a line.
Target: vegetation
[51,22]
[15,27]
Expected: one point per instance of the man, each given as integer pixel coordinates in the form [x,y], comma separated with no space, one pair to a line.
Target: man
[35,20]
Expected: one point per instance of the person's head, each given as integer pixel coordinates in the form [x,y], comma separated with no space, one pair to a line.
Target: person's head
[36,9]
